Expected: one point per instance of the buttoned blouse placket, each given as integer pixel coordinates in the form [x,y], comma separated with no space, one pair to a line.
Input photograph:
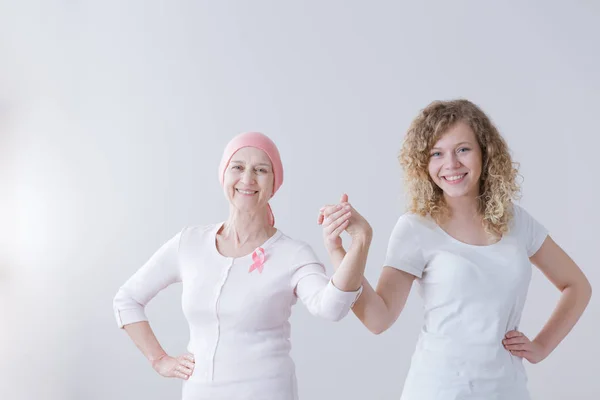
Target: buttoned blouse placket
[218,291]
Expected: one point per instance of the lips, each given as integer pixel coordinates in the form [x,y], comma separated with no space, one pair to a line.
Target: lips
[246,192]
[454,179]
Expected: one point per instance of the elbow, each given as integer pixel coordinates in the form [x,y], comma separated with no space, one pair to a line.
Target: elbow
[377,330]
[119,300]
[337,318]
[127,310]
[587,290]
[583,288]
[333,316]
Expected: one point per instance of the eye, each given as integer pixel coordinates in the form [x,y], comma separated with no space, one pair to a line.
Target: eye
[463,149]
[238,167]
[436,154]
[262,170]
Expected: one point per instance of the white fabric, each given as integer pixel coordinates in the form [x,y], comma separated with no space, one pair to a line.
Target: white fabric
[239,329]
[472,296]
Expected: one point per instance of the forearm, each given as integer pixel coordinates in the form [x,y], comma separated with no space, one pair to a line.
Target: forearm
[142,335]
[371,309]
[336,256]
[350,269]
[571,305]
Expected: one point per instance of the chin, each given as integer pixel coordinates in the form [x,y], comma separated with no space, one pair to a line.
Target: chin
[454,195]
[246,206]
[456,192]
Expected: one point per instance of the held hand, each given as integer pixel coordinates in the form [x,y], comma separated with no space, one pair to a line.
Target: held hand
[336,218]
[180,367]
[519,345]
[333,226]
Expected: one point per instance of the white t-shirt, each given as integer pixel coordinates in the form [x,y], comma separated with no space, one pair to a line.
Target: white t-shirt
[239,329]
[473,295]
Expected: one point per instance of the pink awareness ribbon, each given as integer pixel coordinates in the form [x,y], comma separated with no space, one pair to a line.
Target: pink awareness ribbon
[259,259]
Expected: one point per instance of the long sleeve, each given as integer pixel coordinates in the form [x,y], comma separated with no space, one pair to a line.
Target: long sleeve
[315,289]
[160,271]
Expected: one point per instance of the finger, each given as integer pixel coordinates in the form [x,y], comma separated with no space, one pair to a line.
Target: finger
[344,198]
[181,375]
[516,340]
[338,231]
[337,217]
[320,219]
[336,228]
[518,353]
[512,334]
[190,357]
[337,214]
[184,370]
[518,347]
[188,364]
[325,206]
[330,210]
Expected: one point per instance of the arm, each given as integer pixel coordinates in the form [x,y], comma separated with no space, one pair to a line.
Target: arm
[333,298]
[349,267]
[321,296]
[171,367]
[576,291]
[377,309]
[160,271]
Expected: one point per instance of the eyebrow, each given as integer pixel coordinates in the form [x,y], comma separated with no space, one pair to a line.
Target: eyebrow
[256,165]
[458,144]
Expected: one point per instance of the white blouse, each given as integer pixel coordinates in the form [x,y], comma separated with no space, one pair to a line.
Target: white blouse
[238,317]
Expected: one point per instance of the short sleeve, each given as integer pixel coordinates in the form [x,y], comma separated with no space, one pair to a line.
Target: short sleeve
[304,263]
[160,271]
[531,233]
[404,251]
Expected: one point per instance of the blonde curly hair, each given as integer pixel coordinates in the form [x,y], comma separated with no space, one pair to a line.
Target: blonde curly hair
[498,186]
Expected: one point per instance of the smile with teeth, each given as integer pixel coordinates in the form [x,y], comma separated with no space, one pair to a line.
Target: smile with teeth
[247,192]
[454,178]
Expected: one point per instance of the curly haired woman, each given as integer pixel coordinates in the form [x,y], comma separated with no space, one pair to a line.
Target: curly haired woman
[470,248]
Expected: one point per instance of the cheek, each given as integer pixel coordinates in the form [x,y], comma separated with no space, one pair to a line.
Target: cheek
[433,170]
[266,183]
[474,162]
[229,181]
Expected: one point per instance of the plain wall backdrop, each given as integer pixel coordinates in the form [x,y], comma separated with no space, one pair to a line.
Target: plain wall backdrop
[114,114]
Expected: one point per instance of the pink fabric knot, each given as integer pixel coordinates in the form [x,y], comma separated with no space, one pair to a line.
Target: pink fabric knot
[259,259]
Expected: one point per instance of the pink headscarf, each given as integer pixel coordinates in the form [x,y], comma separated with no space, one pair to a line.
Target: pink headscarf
[260,141]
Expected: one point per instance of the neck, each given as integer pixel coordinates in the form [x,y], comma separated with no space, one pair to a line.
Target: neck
[243,227]
[464,207]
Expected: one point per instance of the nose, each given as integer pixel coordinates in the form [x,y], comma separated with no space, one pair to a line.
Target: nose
[248,176]
[452,162]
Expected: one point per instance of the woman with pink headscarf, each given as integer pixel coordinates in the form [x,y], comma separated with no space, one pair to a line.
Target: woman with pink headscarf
[240,280]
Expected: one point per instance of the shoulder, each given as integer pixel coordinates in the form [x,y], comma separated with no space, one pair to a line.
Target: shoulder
[291,245]
[198,233]
[296,252]
[414,224]
[520,217]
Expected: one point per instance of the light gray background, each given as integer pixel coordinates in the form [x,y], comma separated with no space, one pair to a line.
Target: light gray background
[113,116]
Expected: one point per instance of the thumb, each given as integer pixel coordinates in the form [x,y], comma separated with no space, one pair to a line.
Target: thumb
[344,198]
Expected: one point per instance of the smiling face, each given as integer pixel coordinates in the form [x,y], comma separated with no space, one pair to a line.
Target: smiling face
[455,162]
[248,179]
